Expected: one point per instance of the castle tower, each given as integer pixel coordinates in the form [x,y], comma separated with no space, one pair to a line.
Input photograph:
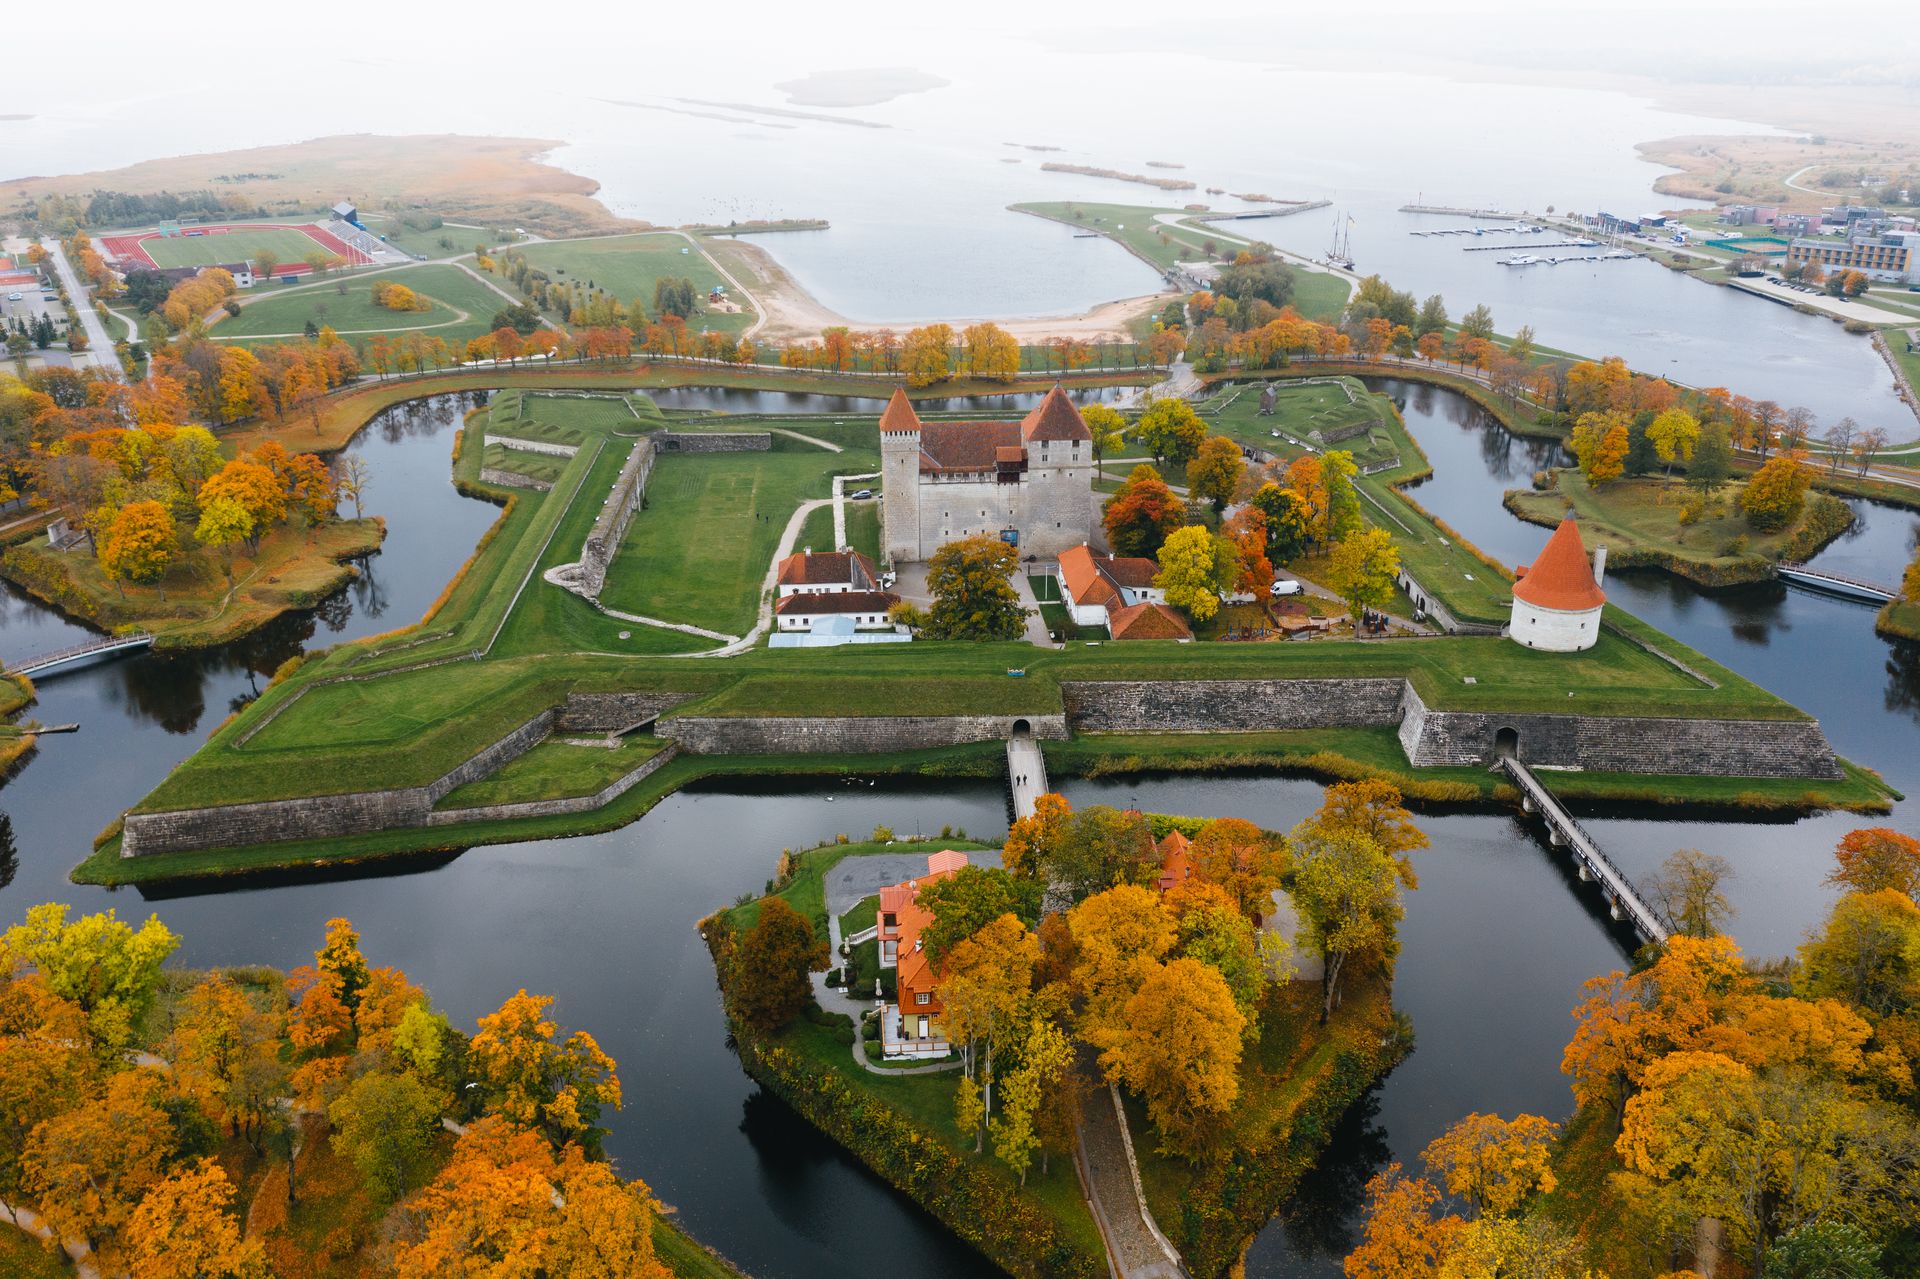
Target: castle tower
[1059,500]
[900,481]
[1557,600]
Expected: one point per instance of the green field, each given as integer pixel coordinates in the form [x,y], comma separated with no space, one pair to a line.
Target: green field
[462,306]
[863,529]
[699,552]
[627,266]
[285,243]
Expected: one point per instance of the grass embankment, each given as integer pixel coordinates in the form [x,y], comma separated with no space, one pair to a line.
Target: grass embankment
[863,529]
[1318,295]
[1640,522]
[556,769]
[699,552]
[1900,619]
[460,307]
[628,266]
[196,604]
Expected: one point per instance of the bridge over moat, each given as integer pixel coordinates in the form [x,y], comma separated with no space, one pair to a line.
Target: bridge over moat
[1566,832]
[63,660]
[1835,583]
[1026,769]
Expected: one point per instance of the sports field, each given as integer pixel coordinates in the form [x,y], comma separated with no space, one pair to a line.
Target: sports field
[462,307]
[214,245]
[627,266]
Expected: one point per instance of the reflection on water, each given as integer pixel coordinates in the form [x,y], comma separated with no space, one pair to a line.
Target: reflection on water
[736,399]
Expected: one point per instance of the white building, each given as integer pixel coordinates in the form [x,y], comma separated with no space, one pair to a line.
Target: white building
[1029,482]
[826,573]
[1557,599]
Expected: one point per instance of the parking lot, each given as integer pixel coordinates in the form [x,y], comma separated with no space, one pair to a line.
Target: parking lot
[24,300]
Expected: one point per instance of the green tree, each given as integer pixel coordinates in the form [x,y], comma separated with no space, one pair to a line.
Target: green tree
[106,967]
[1289,520]
[385,1124]
[1337,472]
[1348,892]
[971,899]
[1478,323]
[1712,458]
[768,979]
[1170,429]
[973,595]
[1433,316]
[1361,570]
[1196,568]
[1824,1250]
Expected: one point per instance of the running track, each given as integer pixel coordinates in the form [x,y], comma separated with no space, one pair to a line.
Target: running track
[130,249]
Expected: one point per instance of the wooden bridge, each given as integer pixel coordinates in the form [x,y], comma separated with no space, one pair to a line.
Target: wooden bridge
[72,659]
[1026,769]
[1838,583]
[1565,832]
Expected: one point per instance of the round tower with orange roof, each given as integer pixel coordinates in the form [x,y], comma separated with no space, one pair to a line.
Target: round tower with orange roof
[1557,599]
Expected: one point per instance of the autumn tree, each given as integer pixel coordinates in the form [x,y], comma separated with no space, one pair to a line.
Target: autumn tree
[1100,847]
[984,985]
[1600,443]
[926,356]
[1180,1050]
[1775,496]
[1243,860]
[1033,842]
[1032,1089]
[1673,435]
[1246,531]
[991,353]
[768,983]
[45,1071]
[1362,569]
[1686,892]
[1347,890]
[140,544]
[1875,859]
[1867,953]
[1197,567]
[251,487]
[967,901]
[385,1125]
[226,1052]
[1214,471]
[1108,428]
[539,1081]
[1120,937]
[973,596]
[1403,1239]
[186,1228]
[1170,429]
[89,1168]
[1142,514]
[1493,1163]
[1212,929]
[109,969]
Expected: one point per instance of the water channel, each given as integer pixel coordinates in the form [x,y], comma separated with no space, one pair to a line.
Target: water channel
[1496,942]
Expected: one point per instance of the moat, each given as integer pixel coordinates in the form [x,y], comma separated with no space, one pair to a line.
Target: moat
[1496,941]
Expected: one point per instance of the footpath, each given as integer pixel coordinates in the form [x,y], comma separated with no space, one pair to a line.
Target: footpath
[1105,1153]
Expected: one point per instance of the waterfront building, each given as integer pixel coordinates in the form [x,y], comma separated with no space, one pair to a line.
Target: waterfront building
[910,1026]
[1894,255]
[1029,483]
[1557,600]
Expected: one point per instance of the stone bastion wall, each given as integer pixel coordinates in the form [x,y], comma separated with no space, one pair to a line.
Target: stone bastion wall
[1650,744]
[711,441]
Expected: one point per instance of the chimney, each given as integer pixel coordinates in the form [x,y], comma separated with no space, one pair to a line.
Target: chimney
[1600,566]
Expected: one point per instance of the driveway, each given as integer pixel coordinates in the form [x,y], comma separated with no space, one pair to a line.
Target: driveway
[99,341]
[858,878]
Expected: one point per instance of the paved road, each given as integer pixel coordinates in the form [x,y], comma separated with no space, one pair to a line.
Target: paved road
[99,342]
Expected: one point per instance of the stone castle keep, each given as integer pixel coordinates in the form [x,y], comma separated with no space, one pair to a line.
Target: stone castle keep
[1028,482]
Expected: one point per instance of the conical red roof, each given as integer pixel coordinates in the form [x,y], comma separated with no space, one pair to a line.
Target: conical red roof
[899,415]
[1054,419]
[1561,577]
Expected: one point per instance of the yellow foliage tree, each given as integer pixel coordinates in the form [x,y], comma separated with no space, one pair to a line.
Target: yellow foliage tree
[538,1081]
[140,544]
[185,1228]
[1493,1163]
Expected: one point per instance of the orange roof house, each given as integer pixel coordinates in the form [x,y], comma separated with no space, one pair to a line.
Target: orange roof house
[1176,866]
[1557,600]
[1117,592]
[812,571]
[910,1027]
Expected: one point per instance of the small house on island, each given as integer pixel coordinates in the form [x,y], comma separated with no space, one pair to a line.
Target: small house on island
[1557,599]
[910,1026]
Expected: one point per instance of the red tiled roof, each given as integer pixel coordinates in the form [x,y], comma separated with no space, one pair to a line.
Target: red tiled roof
[899,415]
[1054,419]
[1132,571]
[1175,866]
[1146,621]
[836,602]
[965,446]
[1099,579]
[946,861]
[1561,577]
[827,568]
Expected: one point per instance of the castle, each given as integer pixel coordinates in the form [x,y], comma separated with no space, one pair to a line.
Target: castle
[1029,482]
[1557,600]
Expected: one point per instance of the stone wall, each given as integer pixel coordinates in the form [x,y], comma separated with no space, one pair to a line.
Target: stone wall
[1621,744]
[847,735]
[612,712]
[597,553]
[1230,705]
[556,807]
[712,442]
[531,446]
[513,479]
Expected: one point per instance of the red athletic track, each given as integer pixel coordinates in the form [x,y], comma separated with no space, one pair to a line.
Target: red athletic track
[127,248]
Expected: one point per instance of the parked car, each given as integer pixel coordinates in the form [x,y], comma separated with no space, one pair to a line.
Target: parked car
[1285,586]
[13,297]
[861,495]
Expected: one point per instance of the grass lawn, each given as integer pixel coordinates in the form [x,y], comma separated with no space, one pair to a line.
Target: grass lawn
[1900,618]
[700,550]
[1330,405]
[24,1257]
[863,530]
[1639,520]
[285,243]
[537,466]
[554,769]
[627,266]
[462,306]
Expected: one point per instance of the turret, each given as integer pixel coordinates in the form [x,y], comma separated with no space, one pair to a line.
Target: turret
[900,480]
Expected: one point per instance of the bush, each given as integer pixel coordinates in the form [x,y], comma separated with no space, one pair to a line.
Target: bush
[1735,546]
